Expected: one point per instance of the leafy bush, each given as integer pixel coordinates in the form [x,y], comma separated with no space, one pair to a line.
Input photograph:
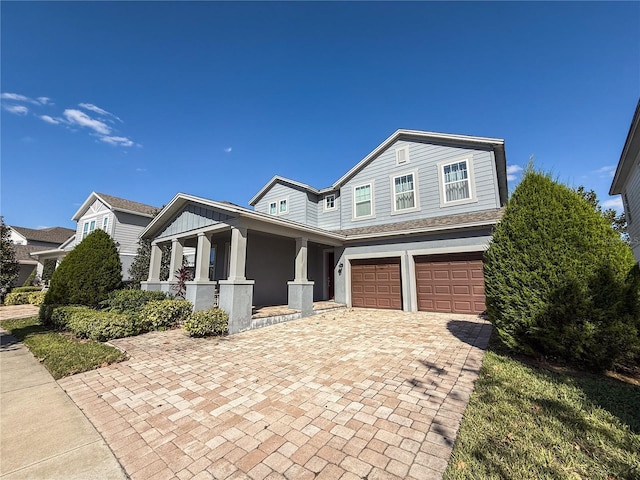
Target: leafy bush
[99,325]
[88,273]
[26,289]
[36,298]
[16,298]
[556,278]
[158,314]
[130,300]
[48,269]
[207,322]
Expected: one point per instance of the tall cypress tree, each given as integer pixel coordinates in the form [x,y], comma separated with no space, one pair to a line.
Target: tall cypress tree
[9,267]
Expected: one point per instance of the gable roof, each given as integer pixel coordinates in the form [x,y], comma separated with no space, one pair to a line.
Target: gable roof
[630,152]
[54,235]
[23,253]
[116,204]
[496,144]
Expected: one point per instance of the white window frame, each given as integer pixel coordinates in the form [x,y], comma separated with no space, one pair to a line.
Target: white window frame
[333,200]
[85,230]
[286,206]
[416,202]
[404,149]
[105,223]
[275,208]
[627,208]
[371,200]
[470,179]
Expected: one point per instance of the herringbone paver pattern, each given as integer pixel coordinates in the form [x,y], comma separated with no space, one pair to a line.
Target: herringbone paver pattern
[348,394]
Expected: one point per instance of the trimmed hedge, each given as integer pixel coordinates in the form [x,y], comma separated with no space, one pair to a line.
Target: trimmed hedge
[130,300]
[26,289]
[99,325]
[160,314]
[24,298]
[207,322]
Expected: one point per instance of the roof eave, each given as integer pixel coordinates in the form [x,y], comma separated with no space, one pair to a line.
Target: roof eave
[415,231]
[275,179]
[629,153]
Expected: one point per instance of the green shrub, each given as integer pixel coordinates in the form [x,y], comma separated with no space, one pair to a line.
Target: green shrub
[556,277]
[36,298]
[16,298]
[99,325]
[88,273]
[26,289]
[158,314]
[130,300]
[48,269]
[207,322]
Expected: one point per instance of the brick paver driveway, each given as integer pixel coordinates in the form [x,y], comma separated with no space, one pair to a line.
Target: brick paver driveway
[348,394]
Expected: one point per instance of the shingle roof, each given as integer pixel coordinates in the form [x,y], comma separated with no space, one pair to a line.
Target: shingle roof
[459,220]
[54,235]
[23,251]
[124,204]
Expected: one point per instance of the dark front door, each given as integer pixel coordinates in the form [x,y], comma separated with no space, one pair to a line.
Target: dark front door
[330,275]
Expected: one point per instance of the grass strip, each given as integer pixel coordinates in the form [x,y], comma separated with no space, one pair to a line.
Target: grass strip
[62,355]
[527,422]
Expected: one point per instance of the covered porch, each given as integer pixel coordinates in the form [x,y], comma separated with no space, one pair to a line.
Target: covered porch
[249,264]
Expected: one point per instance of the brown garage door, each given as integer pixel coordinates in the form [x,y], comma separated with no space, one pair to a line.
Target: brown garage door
[450,283]
[375,283]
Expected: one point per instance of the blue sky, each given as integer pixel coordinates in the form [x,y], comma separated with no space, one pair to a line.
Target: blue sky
[142,100]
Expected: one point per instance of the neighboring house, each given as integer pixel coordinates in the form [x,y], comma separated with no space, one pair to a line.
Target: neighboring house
[122,219]
[28,240]
[405,228]
[626,182]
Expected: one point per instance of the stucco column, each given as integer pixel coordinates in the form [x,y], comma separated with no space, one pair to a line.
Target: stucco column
[154,263]
[177,252]
[203,256]
[238,254]
[301,260]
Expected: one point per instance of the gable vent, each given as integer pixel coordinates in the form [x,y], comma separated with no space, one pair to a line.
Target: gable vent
[402,155]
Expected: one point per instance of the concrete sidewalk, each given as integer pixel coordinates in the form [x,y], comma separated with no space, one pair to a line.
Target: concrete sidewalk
[43,434]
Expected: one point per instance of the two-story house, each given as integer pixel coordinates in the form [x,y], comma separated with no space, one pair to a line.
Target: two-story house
[405,228]
[29,240]
[626,182]
[123,219]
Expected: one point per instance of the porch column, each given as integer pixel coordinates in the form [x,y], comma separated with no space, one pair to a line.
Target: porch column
[201,291]
[203,256]
[236,293]
[154,264]
[177,251]
[301,289]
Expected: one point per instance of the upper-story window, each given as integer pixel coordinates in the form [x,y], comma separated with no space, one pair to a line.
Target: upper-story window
[283,206]
[105,223]
[402,155]
[330,202]
[404,192]
[363,201]
[456,181]
[88,227]
[273,208]
[627,210]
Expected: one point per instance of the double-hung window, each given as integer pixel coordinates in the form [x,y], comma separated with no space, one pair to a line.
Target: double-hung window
[362,201]
[87,228]
[105,223]
[330,202]
[456,181]
[273,208]
[404,192]
[283,206]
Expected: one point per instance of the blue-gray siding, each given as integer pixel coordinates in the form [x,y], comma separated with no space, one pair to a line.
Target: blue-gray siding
[632,193]
[193,217]
[296,199]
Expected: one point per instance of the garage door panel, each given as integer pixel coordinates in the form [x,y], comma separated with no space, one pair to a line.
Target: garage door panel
[450,283]
[379,282]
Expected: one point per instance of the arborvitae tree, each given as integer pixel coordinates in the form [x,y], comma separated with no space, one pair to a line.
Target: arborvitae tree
[48,269]
[9,267]
[139,269]
[31,278]
[557,277]
[87,274]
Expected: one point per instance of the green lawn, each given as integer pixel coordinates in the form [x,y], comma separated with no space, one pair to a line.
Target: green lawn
[62,355]
[527,422]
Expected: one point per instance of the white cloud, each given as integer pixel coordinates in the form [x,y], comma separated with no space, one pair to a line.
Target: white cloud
[16,97]
[615,203]
[117,141]
[608,171]
[44,100]
[141,169]
[51,120]
[95,109]
[512,172]
[17,109]
[76,117]
[228,149]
